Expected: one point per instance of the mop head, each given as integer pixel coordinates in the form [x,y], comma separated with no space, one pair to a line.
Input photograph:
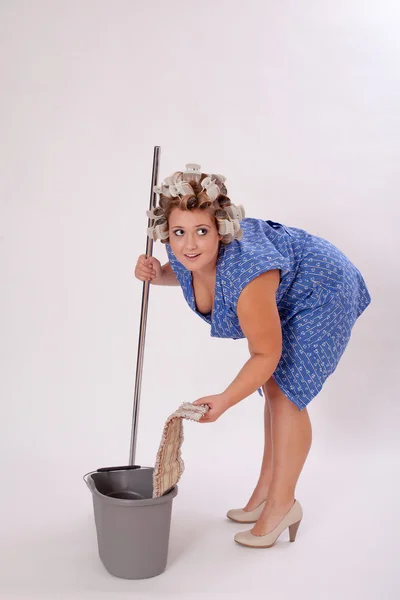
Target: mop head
[169,464]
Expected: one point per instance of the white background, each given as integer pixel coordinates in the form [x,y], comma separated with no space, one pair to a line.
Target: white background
[297,103]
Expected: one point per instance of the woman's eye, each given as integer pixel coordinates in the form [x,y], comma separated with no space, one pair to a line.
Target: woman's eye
[202,231]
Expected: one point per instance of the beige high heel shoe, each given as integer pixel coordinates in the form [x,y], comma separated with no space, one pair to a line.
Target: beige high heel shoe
[245,516]
[292,520]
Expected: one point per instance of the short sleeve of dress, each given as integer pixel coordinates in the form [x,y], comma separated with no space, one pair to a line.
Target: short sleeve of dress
[251,260]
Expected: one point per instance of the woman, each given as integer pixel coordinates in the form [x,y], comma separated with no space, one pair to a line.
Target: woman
[295,297]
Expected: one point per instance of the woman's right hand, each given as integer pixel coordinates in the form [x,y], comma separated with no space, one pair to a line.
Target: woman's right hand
[148,269]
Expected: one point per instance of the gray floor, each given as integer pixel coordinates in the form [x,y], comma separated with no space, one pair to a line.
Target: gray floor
[346,545]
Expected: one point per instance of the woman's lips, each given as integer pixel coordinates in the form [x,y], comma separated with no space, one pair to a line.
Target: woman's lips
[192,258]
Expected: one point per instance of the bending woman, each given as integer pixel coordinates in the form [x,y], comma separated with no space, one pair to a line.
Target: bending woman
[294,296]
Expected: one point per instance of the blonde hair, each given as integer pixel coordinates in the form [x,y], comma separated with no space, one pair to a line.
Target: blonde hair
[190,190]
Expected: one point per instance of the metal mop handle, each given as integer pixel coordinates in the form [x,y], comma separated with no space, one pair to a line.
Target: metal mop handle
[143,317]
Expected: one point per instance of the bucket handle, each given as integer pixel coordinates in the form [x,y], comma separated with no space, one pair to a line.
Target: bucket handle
[127,468]
[105,469]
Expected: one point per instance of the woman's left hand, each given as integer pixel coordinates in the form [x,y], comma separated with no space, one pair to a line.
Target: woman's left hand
[218,405]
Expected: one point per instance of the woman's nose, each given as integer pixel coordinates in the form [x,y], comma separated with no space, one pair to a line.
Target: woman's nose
[191,243]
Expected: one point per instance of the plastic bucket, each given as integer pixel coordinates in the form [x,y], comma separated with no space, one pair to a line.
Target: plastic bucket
[132,527]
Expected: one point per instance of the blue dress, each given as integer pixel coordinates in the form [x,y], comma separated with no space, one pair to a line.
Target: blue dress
[320,296]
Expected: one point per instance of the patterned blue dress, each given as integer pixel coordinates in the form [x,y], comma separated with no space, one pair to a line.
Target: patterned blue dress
[320,296]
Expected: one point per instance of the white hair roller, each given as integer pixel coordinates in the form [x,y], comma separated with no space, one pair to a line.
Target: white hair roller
[235,212]
[152,213]
[159,232]
[222,178]
[181,188]
[212,190]
[162,189]
[192,171]
[225,227]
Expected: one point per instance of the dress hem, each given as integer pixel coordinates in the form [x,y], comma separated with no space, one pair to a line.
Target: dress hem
[300,405]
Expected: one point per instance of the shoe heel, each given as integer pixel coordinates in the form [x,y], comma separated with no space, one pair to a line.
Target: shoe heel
[293,530]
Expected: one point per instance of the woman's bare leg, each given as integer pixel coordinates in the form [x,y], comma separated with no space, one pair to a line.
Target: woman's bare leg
[261,490]
[291,437]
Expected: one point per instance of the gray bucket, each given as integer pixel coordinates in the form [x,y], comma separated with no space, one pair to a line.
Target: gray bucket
[132,527]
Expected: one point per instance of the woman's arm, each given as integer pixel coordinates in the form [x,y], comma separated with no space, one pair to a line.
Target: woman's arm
[168,277]
[259,320]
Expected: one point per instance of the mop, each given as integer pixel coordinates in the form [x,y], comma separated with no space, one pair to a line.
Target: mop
[132,503]
[169,463]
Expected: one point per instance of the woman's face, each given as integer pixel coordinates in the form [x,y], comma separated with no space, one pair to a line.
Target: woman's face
[194,238]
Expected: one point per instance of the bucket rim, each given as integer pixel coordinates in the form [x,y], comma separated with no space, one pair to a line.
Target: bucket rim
[125,501]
